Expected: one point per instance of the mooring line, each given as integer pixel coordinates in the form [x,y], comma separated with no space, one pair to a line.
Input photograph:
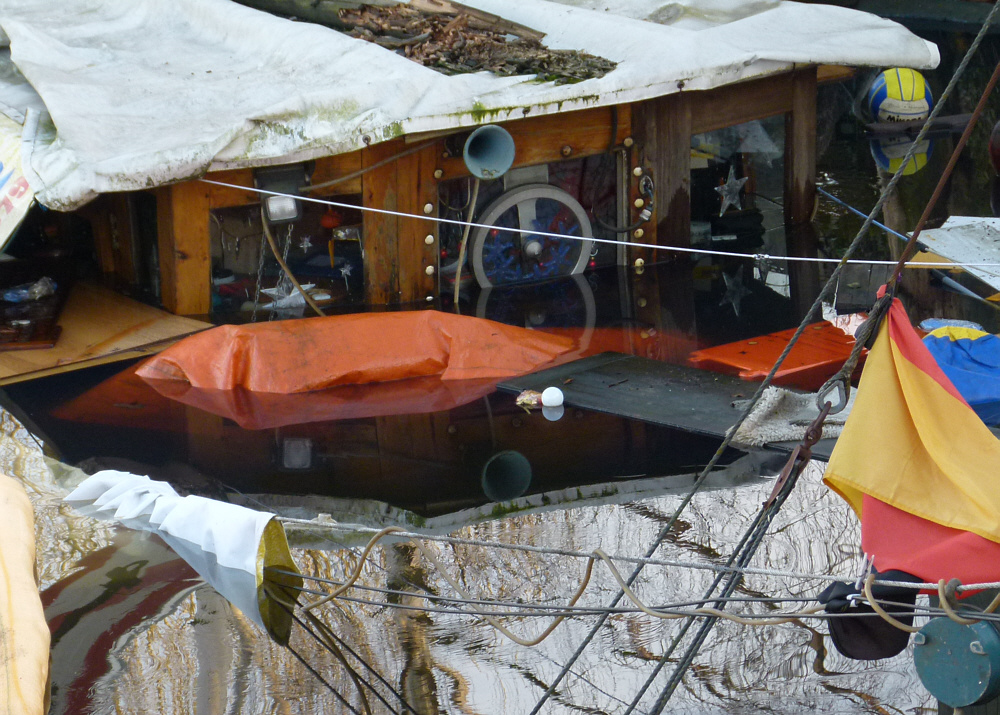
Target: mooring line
[608,241]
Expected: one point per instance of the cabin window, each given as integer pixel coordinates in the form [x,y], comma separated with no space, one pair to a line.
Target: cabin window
[323,249]
[737,193]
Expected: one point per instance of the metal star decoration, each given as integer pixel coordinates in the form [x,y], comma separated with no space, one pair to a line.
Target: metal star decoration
[730,191]
[735,290]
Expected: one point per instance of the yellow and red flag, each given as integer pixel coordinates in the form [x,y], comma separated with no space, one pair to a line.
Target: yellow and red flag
[918,465]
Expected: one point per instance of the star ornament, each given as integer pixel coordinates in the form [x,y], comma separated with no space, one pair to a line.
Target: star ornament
[735,290]
[730,191]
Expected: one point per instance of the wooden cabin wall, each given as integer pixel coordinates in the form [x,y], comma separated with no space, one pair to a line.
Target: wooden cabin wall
[401,253]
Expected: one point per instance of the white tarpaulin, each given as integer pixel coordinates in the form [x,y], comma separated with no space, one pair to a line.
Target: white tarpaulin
[143,92]
[968,239]
[229,546]
[16,195]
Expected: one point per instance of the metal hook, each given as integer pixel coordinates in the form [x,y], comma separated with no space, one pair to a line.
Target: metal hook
[843,386]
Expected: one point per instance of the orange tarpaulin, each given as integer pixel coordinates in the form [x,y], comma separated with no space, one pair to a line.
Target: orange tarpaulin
[316,353]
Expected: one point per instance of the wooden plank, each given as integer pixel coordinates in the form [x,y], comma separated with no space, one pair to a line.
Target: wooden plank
[185,253]
[380,189]
[826,74]
[738,103]
[800,148]
[327,168]
[333,167]
[97,324]
[418,189]
[223,197]
[555,137]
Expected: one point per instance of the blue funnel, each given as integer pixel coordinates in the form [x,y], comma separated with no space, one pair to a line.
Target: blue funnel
[489,152]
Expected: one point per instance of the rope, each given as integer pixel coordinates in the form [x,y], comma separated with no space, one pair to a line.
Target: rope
[284,266]
[841,202]
[686,661]
[945,600]
[881,611]
[753,537]
[683,609]
[465,240]
[608,241]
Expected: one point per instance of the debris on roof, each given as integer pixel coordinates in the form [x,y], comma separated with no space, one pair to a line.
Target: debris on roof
[459,42]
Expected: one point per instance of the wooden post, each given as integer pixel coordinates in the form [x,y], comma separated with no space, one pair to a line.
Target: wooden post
[800,148]
[380,190]
[662,129]
[417,190]
[185,257]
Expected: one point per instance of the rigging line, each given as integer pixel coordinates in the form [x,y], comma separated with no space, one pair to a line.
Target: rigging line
[328,633]
[581,554]
[513,604]
[533,610]
[346,646]
[609,241]
[679,636]
[730,434]
[911,245]
[321,679]
[890,187]
[770,511]
[858,212]
[748,618]
[286,604]
[585,679]
[343,644]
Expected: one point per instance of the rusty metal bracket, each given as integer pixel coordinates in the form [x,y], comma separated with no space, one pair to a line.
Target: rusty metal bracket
[801,455]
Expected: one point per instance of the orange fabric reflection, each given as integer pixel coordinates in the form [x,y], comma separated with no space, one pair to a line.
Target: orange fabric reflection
[316,353]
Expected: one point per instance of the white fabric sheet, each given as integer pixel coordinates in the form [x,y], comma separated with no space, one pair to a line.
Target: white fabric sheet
[140,93]
[220,541]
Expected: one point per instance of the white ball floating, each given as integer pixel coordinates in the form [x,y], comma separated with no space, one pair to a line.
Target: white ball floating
[552,397]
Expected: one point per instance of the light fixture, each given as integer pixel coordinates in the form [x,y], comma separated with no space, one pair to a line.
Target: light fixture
[286,181]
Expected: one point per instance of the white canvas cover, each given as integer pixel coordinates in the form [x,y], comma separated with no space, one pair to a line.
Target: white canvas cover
[139,93]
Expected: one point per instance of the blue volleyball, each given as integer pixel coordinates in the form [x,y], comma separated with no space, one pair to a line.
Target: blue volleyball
[899,95]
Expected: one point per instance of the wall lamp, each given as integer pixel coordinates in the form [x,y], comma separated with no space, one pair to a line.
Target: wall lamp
[282,180]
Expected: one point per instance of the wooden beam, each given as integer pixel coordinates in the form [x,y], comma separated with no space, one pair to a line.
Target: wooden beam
[183,237]
[557,137]
[826,74]
[738,103]
[800,148]
[327,168]
[380,189]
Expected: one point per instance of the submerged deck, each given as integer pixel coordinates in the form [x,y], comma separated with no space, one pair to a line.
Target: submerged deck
[674,396]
